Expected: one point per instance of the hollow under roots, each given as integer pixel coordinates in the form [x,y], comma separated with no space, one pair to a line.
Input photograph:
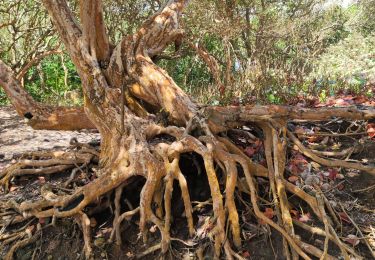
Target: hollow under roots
[160,165]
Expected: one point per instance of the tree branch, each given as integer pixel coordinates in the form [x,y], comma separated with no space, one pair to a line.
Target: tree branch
[161,29]
[94,31]
[66,25]
[34,61]
[222,118]
[40,116]
[211,63]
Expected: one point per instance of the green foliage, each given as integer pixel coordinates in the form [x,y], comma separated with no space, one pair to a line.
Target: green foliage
[350,64]
[277,49]
[3,98]
[47,84]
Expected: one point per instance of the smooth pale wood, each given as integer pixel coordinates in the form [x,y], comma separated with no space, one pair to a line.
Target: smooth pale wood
[93,28]
[43,117]
[222,118]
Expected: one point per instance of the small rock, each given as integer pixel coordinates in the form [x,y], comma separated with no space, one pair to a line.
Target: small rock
[312,180]
[325,187]
[309,189]
[305,174]
[129,254]
[352,173]
[333,203]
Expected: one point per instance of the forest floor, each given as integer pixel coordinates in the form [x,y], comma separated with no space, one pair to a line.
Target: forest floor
[350,193]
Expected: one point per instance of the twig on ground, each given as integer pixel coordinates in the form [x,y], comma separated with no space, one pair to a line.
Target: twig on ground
[359,231]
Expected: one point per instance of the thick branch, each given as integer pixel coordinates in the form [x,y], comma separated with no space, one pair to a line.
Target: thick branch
[221,118]
[34,61]
[131,65]
[161,29]
[40,116]
[66,25]
[211,63]
[93,27]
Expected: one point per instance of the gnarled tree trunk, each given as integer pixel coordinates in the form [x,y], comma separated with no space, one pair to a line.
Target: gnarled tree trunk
[123,91]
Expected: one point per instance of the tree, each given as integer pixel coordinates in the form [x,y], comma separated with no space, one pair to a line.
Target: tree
[125,92]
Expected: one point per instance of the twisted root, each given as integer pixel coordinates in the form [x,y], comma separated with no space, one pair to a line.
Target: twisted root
[159,165]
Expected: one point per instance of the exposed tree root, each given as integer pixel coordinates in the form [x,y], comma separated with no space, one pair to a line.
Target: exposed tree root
[330,163]
[236,172]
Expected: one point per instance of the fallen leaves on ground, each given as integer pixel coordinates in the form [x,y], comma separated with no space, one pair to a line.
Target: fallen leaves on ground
[305,217]
[344,217]
[371,130]
[269,213]
[297,164]
[352,239]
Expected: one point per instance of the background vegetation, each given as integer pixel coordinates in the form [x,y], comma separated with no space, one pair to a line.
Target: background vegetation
[265,51]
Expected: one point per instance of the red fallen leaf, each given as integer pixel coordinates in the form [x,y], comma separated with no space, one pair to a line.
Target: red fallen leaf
[306,217]
[371,130]
[300,130]
[297,164]
[269,213]
[246,254]
[332,174]
[344,217]
[257,144]
[294,169]
[314,139]
[293,179]
[343,102]
[352,239]
[249,151]
[360,100]
[41,180]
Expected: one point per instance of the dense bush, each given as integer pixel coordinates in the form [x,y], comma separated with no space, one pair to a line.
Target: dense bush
[350,64]
[53,80]
[267,51]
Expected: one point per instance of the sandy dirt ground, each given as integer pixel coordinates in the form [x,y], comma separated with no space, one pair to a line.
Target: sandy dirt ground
[16,137]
